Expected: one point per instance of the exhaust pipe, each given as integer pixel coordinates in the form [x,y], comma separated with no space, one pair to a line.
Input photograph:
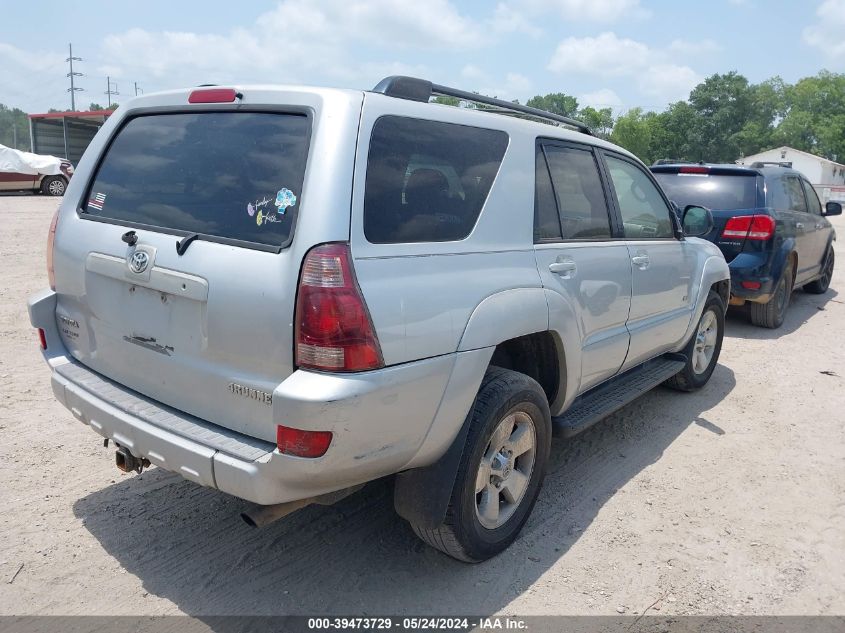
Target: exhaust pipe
[260,516]
[127,462]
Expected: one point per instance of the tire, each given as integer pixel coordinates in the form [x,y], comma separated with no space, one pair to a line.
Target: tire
[472,531]
[703,349]
[53,186]
[820,285]
[771,314]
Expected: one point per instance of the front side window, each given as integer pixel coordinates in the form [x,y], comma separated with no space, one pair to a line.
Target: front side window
[645,215]
[579,194]
[427,181]
[232,175]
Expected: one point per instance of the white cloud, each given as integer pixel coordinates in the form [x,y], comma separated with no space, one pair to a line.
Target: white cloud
[297,40]
[592,10]
[29,78]
[668,82]
[605,55]
[827,33]
[611,56]
[506,19]
[512,86]
[603,98]
[690,47]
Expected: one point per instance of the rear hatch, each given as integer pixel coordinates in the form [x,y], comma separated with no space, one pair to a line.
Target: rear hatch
[207,331]
[728,192]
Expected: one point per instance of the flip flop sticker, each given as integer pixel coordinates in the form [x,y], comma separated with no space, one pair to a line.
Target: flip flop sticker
[250,209]
[284,199]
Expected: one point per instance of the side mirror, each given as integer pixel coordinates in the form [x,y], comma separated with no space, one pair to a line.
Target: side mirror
[832,208]
[696,221]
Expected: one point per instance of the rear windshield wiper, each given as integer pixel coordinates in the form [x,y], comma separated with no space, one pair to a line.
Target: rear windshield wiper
[183,244]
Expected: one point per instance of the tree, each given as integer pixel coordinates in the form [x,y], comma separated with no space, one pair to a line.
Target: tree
[556,103]
[633,132]
[14,128]
[600,122]
[815,116]
[443,100]
[724,104]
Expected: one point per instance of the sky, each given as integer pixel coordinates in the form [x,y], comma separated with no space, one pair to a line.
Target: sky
[608,53]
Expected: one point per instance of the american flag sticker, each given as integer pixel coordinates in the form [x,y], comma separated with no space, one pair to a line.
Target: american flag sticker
[97,201]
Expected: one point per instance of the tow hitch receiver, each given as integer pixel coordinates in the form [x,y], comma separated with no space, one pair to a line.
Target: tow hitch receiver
[128,463]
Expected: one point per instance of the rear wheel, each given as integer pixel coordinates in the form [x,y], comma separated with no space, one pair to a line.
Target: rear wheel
[501,471]
[703,349]
[54,186]
[771,314]
[820,285]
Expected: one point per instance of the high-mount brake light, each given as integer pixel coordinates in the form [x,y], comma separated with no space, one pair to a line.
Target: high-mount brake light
[334,331]
[213,95]
[694,170]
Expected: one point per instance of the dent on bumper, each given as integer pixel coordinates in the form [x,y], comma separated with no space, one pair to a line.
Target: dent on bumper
[379,419]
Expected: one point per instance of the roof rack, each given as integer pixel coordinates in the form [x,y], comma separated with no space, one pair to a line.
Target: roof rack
[422,90]
[770,163]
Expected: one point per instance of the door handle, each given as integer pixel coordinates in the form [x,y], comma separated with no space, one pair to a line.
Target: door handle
[563,267]
[641,261]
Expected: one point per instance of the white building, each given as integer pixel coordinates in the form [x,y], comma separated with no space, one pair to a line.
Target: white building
[827,177]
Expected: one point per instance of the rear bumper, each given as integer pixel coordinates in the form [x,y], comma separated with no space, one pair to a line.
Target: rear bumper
[754,268]
[381,422]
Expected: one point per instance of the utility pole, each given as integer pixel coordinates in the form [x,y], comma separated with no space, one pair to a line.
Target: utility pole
[15,134]
[109,90]
[73,89]
[137,89]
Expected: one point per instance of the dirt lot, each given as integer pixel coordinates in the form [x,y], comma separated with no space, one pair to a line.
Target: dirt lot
[729,500]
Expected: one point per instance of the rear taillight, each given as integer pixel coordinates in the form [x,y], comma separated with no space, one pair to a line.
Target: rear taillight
[751,227]
[334,331]
[302,443]
[42,338]
[51,240]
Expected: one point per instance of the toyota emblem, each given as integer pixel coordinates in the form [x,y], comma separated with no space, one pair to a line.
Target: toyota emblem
[139,261]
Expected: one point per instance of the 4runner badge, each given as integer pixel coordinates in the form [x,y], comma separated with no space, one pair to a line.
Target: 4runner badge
[252,394]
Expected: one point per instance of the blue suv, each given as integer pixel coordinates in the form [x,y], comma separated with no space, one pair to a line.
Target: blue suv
[768,223]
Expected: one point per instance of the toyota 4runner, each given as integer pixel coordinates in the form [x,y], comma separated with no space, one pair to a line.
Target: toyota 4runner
[286,292]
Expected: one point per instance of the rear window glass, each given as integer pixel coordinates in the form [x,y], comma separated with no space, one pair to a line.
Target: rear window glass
[427,181]
[231,175]
[722,193]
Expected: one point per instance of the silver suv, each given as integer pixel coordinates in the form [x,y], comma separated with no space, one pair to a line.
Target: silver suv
[285,292]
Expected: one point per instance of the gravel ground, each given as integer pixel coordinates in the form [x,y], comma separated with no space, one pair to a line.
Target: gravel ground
[727,501]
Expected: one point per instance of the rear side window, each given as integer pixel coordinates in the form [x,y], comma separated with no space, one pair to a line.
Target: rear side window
[813,203]
[578,190]
[426,180]
[717,192]
[229,175]
[787,194]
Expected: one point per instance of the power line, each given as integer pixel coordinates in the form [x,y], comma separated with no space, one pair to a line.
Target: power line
[109,90]
[73,89]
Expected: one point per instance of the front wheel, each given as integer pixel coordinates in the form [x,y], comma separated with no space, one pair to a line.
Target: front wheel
[703,349]
[820,285]
[501,471]
[54,186]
